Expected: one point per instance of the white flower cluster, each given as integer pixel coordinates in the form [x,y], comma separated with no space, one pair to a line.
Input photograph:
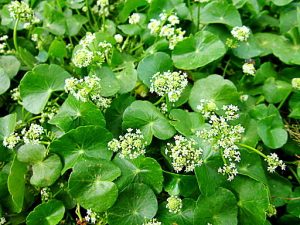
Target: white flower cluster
[101,8]
[11,140]
[3,43]
[249,69]
[2,220]
[165,27]
[169,83]
[101,102]
[118,38]
[152,222]
[82,57]
[207,107]
[185,155]
[15,94]
[229,170]
[274,162]
[22,12]
[87,40]
[223,136]
[241,33]
[49,112]
[131,145]
[104,48]
[91,217]
[135,18]
[174,204]
[296,83]
[46,194]
[33,134]
[83,88]
[201,1]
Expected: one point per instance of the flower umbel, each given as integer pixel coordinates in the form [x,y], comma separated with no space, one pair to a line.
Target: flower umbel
[174,204]
[249,69]
[33,134]
[274,162]
[185,155]
[152,222]
[229,170]
[131,145]
[11,141]
[169,83]
[82,58]
[296,83]
[241,33]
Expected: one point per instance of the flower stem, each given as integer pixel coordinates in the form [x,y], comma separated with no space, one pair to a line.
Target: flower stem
[252,149]
[15,35]
[294,173]
[159,100]
[77,211]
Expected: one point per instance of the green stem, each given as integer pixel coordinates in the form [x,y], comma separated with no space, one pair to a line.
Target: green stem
[159,100]
[252,149]
[88,13]
[125,43]
[77,211]
[226,66]
[223,158]
[198,17]
[15,35]
[294,173]
[34,118]
[283,101]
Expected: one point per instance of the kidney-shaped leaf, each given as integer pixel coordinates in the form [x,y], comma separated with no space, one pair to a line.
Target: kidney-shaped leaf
[197,51]
[37,85]
[48,213]
[135,204]
[83,142]
[74,113]
[91,184]
[146,117]
[31,153]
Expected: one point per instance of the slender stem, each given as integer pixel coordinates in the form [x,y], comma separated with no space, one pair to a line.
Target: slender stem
[283,101]
[198,17]
[88,13]
[223,158]
[252,149]
[294,173]
[159,100]
[15,35]
[125,43]
[226,66]
[34,118]
[77,211]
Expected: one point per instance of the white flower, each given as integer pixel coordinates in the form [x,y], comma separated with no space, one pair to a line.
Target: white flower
[131,145]
[163,16]
[104,47]
[100,101]
[82,58]
[33,134]
[11,141]
[174,204]
[118,38]
[241,33]
[169,83]
[244,98]
[4,38]
[248,68]
[22,11]
[87,40]
[173,19]
[15,94]
[274,162]
[152,222]
[134,18]
[2,47]
[296,83]
[154,26]
[207,107]
[35,37]
[229,170]
[2,220]
[167,31]
[46,194]
[184,154]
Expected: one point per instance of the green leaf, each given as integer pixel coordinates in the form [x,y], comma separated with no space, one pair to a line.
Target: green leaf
[140,170]
[114,114]
[294,105]
[54,21]
[209,180]
[7,125]
[57,49]
[3,185]
[220,12]
[198,51]
[186,216]
[134,205]
[31,153]
[253,200]
[281,2]
[10,64]
[129,7]
[4,81]
[37,85]
[16,183]
[48,213]
[91,184]
[109,83]
[74,113]
[276,91]
[73,24]
[127,78]
[186,123]
[82,143]
[218,209]
[145,116]
[270,126]
[177,6]
[215,88]
[247,50]
[264,72]
[150,65]
[45,173]
[293,207]
[179,184]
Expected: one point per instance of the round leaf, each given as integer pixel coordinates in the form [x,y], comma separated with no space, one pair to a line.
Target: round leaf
[31,153]
[37,85]
[45,173]
[4,81]
[214,88]
[134,205]
[158,62]
[49,213]
[91,184]
[145,116]
[197,51]
[10,64]
[74,113]
[218,209]
[83,142]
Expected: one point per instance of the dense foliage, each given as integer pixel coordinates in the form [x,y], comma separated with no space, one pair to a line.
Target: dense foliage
[131,112]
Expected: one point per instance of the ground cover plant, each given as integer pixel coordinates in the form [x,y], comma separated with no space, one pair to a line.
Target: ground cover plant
[153,112]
